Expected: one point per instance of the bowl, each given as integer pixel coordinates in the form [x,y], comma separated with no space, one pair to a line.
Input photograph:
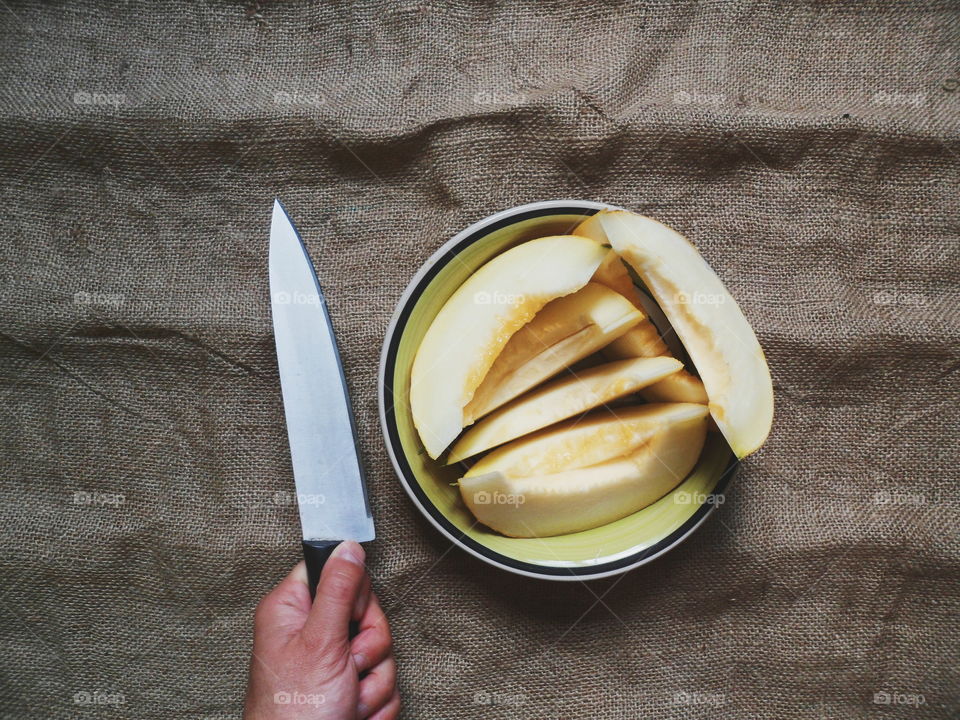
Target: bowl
[601,552]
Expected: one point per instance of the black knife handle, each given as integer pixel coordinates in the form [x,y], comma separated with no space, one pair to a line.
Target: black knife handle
[315,554]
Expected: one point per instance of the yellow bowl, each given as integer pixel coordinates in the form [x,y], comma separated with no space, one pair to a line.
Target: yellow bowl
[608,550]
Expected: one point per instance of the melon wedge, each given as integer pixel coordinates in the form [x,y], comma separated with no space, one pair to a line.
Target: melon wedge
[611,272]
[561,399]
[642,340]
[713,329]
[566,330]
[575,500]
[581,442]
[479,318]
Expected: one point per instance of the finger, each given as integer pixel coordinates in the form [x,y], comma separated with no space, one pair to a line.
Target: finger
[390,711]
[285,608]
[363,597]
[373,643]
[373,616]
[377,687]
[327,626]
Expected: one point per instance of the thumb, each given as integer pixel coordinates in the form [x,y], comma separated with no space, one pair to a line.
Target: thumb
[341,580]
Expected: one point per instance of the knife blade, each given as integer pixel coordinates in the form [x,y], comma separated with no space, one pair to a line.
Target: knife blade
[329,478]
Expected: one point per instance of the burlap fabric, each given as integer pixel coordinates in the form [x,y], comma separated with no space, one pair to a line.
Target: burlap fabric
[810,151]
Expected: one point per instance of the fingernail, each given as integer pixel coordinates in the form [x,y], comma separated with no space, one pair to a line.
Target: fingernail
[359,662]
[350,551]
[360,606]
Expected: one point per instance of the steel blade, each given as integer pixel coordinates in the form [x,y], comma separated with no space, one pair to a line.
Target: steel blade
[331,491]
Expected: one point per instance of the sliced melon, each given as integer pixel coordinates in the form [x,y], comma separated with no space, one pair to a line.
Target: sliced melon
[612,272]
[575,500]
[713,329]
[601,436]
[479,318]
[559,400]
[566,330]
[681,387]
[642,340]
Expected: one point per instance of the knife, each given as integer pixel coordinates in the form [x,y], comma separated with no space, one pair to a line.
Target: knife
[331,490]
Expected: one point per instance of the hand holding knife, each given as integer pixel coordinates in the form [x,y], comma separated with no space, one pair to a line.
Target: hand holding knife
[319,651]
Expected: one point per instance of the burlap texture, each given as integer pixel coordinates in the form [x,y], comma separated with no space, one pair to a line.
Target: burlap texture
[809,150]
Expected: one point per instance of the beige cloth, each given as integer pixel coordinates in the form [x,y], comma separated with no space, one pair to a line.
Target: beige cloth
[811,152]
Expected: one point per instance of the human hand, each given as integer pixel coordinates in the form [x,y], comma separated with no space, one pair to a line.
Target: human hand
[304,663]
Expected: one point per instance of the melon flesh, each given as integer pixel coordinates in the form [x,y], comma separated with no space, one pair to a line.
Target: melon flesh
[478,320]
[561,399]
[708,321]
[642,340]
[565,331]
[601,436]
[585,498]
[611,272]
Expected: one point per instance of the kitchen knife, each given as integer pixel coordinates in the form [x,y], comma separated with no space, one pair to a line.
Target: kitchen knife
[331,491]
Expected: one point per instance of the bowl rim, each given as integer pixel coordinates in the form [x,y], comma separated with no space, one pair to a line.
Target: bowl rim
[402,468]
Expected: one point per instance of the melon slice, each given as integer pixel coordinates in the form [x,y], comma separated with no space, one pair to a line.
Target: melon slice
[611,272]
[561,399]
[585,498]
[642,340]
[581,442]
[566,330]
[713,329]
[479,318]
